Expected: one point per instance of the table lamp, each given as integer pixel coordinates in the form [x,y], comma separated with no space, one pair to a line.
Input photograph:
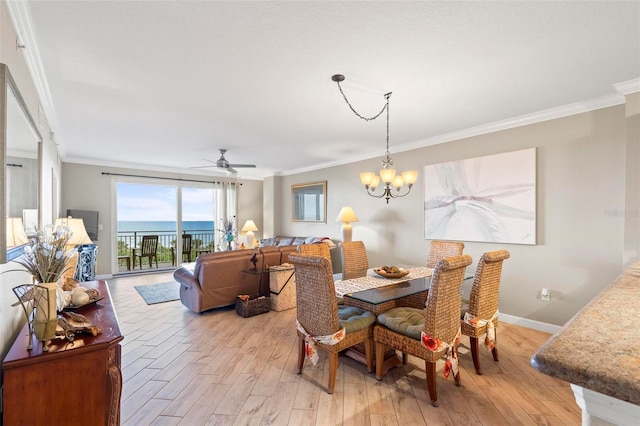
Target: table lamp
[15,232]
[79,234]
[85,258]
[346,216]
[249,227]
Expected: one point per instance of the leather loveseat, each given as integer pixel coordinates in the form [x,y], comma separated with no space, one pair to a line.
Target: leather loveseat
[219,277]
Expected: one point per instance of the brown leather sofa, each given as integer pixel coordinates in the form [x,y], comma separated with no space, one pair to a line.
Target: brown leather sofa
[219,277]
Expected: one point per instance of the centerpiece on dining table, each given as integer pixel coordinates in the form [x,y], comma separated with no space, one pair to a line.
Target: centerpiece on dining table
[391,271]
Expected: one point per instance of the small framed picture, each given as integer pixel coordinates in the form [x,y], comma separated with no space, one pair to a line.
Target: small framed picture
[309,202]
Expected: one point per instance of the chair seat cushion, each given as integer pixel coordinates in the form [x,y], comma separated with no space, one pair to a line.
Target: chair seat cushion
[406,321]
[354,319]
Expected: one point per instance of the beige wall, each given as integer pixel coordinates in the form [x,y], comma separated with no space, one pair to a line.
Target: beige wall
[12,318]
[86,188]
[580,190]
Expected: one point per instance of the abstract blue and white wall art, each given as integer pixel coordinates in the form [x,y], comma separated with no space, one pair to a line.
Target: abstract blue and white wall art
[487,199]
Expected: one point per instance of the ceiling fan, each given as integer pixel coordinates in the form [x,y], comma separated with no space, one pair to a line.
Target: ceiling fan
[224,165]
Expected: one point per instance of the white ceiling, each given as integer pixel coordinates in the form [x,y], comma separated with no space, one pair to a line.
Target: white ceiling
[162,85]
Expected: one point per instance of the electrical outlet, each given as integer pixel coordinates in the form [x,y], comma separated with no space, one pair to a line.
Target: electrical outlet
[545,294]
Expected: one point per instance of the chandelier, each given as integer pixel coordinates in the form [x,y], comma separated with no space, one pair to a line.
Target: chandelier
[393,183]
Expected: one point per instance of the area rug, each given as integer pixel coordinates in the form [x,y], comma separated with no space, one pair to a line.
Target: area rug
[159,293]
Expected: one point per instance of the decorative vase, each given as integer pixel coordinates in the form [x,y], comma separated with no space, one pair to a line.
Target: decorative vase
[46,312]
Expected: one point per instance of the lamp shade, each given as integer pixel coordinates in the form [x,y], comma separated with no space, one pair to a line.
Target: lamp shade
[249,225]
[79,234]
[346,215]
[15,232]
[410,177]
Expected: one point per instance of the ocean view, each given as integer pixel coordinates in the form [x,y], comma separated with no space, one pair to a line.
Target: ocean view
[130,226]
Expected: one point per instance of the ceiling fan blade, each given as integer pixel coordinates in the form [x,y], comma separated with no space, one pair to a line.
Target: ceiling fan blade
[230,170]
[202,167]
[242,165]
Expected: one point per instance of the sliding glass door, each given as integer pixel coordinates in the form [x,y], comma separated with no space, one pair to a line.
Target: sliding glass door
[182,215]
[144,212]
[197,223]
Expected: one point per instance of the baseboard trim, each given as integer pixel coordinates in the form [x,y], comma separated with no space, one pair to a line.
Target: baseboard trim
[529,323]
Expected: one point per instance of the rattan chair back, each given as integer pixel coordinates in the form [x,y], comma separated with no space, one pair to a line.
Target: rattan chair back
[483,301]
[317,306]
[318,249]
[483,304]
[442,313]
[354,259]
[439,250]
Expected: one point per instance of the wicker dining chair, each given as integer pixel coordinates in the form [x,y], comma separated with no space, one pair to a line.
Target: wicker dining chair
[319,314]
[483,304]
[317,249]
[402,328]
[439,250]
[354,259]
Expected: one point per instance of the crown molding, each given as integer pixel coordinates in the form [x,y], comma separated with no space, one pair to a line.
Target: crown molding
[510,123]
[628,87]
[21,21]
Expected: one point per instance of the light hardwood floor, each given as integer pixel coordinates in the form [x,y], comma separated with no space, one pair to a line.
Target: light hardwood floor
[221,369]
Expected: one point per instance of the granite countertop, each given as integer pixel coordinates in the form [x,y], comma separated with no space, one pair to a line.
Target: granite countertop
[599,348]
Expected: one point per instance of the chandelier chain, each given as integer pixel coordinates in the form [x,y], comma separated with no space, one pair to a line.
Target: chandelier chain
[356,112]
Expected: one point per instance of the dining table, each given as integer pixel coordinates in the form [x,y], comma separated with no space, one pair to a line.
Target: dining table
[378,294]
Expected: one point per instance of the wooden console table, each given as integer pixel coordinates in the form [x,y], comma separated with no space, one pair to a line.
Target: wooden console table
[74,383]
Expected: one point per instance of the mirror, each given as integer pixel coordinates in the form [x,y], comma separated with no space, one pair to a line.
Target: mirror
[21,158]
[309,202]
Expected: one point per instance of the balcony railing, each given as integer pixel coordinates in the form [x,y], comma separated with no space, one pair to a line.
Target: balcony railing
[202,241]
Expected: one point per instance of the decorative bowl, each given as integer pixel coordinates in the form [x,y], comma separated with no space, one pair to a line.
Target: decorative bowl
[386,274]
[72,307]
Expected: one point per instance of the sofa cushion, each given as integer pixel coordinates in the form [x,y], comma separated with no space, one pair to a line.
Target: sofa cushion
[354,319]
[267,242]
[285,241]
[407,321]
[298,240]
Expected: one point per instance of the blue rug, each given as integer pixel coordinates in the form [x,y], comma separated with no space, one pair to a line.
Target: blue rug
[159,293]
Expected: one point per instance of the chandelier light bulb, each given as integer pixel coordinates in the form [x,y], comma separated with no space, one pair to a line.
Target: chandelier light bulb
[410,177]
[387,175]
[398,182]
[366,178]
[375,183]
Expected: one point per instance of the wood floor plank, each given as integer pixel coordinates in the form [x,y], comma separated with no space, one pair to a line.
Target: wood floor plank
[183,402]
[356,412]
[180,382]
[330,408]
[235,398]
[302,417]
[202,411]
[255,358]
[280,405]
[508,406]
[384,420]
[379,396]
[253,411]
[147,413]
[137,399]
